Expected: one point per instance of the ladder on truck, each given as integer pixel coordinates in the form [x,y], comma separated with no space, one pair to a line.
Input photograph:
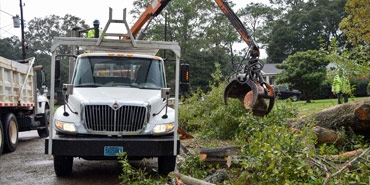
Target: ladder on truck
[114,45]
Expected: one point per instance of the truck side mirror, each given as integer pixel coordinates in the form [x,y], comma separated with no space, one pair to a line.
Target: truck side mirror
[67,89]
[40,79]
[165,93]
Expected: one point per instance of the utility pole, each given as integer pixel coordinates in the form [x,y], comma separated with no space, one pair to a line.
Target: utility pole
[22,29]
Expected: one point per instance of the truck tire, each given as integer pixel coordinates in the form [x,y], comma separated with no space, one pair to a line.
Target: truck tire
[44,132]
[10,133]
[1,138]
[63,165]
[166,164]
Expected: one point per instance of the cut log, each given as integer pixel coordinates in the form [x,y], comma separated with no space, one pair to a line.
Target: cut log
[221,152]
[223,155]
[354,116]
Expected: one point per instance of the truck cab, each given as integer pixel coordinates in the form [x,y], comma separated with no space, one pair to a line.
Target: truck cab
[116,95]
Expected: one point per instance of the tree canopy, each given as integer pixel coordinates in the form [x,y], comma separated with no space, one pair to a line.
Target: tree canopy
[304,71]
[10,48]
[356,24]
[305,26]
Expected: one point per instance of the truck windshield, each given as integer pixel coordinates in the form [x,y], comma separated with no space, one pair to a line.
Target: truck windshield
[101,71]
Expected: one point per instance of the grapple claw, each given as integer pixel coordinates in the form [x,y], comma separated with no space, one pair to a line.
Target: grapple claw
[252,95]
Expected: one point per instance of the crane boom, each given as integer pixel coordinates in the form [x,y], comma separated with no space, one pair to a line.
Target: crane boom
[153,9]
[238,25]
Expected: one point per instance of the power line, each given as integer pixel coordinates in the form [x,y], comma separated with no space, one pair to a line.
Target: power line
[5,31]
[6,13]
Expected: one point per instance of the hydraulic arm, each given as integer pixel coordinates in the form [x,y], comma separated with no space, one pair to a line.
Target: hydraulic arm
[249,86]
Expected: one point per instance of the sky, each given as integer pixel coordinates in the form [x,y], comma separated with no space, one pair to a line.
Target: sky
[86,10]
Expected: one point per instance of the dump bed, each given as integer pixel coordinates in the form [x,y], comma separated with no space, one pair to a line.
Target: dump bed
[16,83]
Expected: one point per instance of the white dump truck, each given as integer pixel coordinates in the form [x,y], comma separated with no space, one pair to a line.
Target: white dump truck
[117,101]
[23,102]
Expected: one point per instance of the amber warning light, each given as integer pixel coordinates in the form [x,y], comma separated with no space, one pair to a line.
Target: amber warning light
[184,73]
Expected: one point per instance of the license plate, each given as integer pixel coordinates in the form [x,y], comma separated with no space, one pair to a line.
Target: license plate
[112,150]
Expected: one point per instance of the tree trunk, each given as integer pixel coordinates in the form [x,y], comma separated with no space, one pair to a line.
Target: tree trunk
[353,116]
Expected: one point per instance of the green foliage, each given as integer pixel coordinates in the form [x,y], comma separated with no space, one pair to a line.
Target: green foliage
[192,165]
[208,113]
[278,155]
[353,61]
[272,153]
[304,71]
[134,176]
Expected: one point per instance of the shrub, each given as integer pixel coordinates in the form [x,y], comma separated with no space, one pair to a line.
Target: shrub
[361,87]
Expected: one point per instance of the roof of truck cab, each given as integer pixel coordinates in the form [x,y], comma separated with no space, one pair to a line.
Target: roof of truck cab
[134,55]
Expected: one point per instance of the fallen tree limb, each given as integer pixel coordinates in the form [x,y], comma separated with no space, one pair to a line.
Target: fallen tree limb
[325,135]
[189,180]
[219,176]
[325,165]
[350,163]
[348,154]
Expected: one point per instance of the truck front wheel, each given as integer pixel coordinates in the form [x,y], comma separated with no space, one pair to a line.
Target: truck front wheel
[63,165]
[166,164]
[10,133]
[1,138]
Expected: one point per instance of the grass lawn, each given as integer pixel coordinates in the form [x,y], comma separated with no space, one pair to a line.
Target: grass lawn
[317,105]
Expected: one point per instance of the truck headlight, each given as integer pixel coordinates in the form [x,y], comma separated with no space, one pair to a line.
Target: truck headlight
[65,126]
[163,128]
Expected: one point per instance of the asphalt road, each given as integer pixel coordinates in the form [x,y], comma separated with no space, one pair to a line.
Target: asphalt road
[29,165]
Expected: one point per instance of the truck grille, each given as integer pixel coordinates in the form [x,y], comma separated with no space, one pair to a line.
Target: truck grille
[107,119]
